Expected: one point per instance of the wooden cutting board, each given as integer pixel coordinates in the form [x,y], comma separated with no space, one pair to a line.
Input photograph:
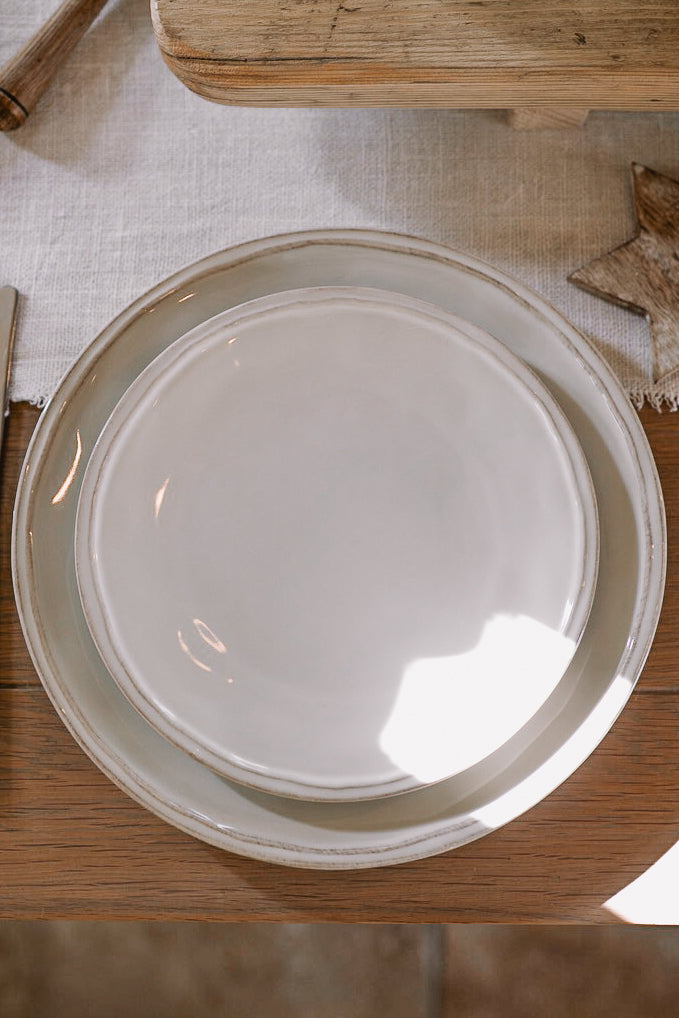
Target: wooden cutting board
[598,54]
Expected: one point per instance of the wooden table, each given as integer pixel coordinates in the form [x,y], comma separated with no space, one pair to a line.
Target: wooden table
[596,54]
[73,845]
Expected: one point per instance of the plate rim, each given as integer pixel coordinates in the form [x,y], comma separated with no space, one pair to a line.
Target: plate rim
[148,384]
[429,842]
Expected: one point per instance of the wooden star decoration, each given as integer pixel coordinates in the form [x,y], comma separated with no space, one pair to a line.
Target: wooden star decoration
[643,274]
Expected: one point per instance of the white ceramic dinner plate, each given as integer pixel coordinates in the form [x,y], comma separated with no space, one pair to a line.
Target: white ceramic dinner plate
[336,543]
[393,829]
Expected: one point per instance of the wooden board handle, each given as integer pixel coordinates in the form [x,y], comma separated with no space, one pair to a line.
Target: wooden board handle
[24,79]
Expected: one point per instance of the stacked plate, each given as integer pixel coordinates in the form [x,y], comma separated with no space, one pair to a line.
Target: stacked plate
[339,549]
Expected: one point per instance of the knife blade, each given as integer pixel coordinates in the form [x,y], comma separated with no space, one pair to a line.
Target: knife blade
[8,305]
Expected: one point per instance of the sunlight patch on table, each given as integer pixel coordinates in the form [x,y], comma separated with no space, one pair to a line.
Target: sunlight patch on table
[653,898]
[540,782]
[451,712]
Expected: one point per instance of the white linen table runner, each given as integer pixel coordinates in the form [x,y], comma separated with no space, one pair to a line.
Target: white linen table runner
[122,175]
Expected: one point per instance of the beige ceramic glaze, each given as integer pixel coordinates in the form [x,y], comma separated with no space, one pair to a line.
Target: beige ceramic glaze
[443,816]
[336,544]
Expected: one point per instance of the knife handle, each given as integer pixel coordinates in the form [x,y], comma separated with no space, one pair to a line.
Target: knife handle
[24,79]
[8,307]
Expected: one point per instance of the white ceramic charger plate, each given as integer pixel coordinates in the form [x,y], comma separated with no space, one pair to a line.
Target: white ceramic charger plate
[337,543]
[444,816]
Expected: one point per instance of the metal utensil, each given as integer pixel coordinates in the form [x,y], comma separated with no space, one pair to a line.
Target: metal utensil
[8,304]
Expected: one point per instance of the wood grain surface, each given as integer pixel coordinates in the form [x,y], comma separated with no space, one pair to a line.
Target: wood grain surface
[594,54]
[539,118]
[643,274]
[73,846]
[28,74]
